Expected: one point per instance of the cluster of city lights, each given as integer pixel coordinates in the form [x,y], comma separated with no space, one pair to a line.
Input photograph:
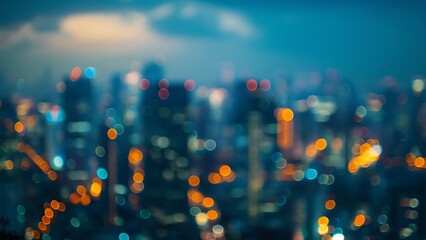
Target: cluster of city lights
[76,73]
[327,231]
[135,162]
[43,227]
[204,208]
[224,174]
[252,85]
[313,148]
[38,160]
[205,211]
[84,195]
[365,154]
[415,162]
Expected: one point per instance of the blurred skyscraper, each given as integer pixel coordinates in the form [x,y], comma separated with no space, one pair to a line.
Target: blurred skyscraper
[78,105]
[166,163]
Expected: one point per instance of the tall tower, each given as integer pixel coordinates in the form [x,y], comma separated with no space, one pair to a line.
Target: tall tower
[78,107]
[166,164]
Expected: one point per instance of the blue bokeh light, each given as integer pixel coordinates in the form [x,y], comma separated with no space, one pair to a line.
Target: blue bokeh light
[102,173]
[311,174]
[57,162]
[90,72]
[123,236]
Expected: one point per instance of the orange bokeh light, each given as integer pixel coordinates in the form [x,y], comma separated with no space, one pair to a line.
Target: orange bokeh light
[45,220]
[138,177]
[8,164]
[135,156]
[212,215]
[359,220]
[195,196]
[112,133]
[42,226]
[320,144]
[54,204]
[311,150]
[61,207]
[81,189]
[19,127]
[75,73]
[419,162]
[330,204]
[74,198]
[225,170]
[285,114]
[208,202]
[85,200]
[51,174]
[214,178]
[194,180]
[48,212]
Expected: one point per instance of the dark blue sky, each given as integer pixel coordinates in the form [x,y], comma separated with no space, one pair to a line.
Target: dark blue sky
[40,41]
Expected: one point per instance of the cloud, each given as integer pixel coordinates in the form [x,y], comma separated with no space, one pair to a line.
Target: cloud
[162,11]
[201,20]
[106,32]
[233,23]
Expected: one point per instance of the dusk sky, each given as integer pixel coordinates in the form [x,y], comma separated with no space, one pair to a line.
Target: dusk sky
[41,41]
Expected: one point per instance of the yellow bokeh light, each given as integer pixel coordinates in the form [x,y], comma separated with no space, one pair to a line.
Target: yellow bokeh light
[208,202]
[330,204]
[112,133]
[323,220]
[323,229]
[201,219]
[19,127]
[359,220]
[320,144]
[225,170]
[194,180]
[95,189]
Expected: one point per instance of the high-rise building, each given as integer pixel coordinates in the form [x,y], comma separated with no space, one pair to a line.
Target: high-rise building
[166,164]
[78,107]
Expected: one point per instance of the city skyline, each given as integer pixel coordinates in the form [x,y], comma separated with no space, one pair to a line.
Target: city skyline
[364,41]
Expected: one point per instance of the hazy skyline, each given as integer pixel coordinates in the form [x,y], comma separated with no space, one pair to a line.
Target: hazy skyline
[364,41]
